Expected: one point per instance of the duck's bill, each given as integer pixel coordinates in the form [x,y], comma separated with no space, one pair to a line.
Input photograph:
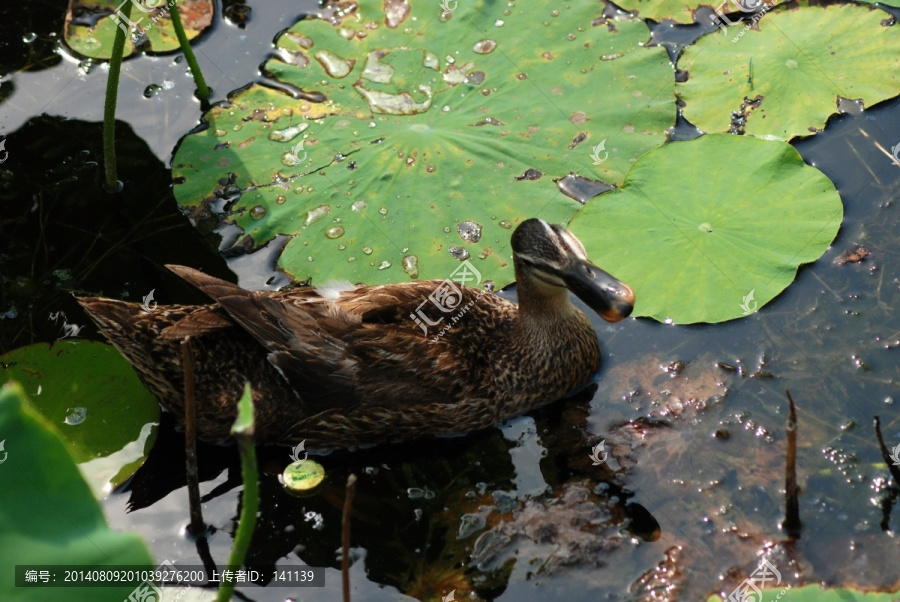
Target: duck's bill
[612,299]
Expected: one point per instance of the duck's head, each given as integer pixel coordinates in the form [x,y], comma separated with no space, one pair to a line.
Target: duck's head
[552,259]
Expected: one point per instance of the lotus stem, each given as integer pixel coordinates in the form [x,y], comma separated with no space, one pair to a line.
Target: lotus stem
[345,537]
[109,108]
[243,433]
[202,89]
[196,527]
[791,524]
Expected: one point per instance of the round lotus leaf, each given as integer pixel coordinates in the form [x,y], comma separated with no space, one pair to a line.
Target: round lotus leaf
[437,132]
[91,25]
[676,10]
[91,394]
[712,229]
[47,512]
[785,76]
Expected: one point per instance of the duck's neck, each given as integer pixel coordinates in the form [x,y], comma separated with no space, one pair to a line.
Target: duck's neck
[542,304]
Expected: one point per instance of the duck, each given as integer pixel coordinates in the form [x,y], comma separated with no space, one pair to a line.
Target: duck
[343,367]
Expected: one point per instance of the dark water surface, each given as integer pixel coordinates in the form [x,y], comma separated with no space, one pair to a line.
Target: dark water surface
[691,494]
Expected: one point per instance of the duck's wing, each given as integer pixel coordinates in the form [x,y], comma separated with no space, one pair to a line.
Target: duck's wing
[365,346]
[312,361]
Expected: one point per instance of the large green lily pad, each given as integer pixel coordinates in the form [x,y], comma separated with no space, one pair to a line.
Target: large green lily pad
[802,61]
[92,395]
[712,229]
[91,25]
[814,593]
[47,513]
[680,11]
[428,122]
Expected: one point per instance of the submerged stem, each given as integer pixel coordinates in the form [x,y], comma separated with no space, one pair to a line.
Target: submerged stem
[196,527]
[791,524]
[345,537]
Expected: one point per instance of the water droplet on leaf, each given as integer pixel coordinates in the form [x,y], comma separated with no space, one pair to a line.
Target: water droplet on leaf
[411,266]
[316,214]
[484,46]
[469,231]
[76,415]
[459,253]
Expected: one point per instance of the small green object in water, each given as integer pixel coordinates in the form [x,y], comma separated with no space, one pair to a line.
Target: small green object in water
[303,477]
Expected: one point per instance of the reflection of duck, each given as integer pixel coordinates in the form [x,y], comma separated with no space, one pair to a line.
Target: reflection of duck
[340,369]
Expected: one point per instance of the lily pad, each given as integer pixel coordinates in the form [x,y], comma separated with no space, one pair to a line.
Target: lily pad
[92,395]
[429,117]
[712,229]
[814,593]
[47,513]
[679,11]
[787,75]
[91,25]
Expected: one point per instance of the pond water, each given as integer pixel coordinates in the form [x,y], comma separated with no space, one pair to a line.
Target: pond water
[690,496]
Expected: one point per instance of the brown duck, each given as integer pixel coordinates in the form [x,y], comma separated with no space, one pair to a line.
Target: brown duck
[376,363]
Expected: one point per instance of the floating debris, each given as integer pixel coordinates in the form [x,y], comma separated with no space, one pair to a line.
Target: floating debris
[855,255]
